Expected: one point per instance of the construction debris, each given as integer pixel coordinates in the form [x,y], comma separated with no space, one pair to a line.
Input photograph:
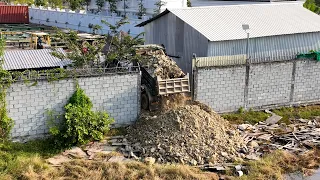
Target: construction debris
[192,134]
[273,119]
[159,63]
[298,137]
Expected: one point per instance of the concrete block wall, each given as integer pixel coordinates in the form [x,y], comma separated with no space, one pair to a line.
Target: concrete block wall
[269,84]
[27,105]
[221,88]
[307,81]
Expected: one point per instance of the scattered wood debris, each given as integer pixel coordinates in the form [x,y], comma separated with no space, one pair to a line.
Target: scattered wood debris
[298,137]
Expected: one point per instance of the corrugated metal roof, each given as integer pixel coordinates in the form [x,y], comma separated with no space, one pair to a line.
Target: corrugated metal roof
[31,59]
[220,23]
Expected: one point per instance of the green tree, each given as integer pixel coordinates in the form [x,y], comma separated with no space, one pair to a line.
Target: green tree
[75,4]
[312,5]
[188,3]
[6,123]
[80,124]
[82,54]
[40,2]
[142,9]
[158,5]
[55,3]
[112,6]
[100,4]
[122,45]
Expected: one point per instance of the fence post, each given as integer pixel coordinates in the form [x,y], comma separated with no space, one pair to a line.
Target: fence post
[246,87]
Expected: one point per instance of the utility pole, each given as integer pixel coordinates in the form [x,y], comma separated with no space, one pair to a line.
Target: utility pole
[246,88]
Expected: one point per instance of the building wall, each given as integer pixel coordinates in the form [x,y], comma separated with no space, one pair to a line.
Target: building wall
[267,47]
[80,21]
[270,84]
[179,38]
[27,105]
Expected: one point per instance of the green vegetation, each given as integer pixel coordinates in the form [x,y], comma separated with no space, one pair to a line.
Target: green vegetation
[189,3]
[80,124]
[27,161]
[251,117]
[312,5]
[6,123]
[17,158]
[287,113]
[85,55]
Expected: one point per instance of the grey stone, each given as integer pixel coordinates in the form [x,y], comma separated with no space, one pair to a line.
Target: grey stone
[224,154]
[252,157]
[193,162]
[117,159]
[273,119]
[243,127]
[149,160]
[253,144]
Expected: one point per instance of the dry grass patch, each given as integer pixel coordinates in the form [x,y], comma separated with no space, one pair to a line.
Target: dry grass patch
[273,166]
[82,169]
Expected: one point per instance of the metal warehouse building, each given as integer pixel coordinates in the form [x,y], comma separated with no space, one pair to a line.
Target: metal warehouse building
[276,30]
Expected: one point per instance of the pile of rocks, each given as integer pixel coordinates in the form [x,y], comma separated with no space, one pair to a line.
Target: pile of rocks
[191,134]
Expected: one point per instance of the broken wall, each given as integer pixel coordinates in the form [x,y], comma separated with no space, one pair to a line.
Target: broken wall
[269,85]
[28,105]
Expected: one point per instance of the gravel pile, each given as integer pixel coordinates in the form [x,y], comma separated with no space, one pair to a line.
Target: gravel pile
[191,134]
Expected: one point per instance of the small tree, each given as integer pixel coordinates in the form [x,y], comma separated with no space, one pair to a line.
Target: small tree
[83,54]
[112,6]
[75,4]
[6,123]
[100,4]
[188,3]
[40,2]
[159,5]
[55,3]
[121,44]
[142,9]
[80,123]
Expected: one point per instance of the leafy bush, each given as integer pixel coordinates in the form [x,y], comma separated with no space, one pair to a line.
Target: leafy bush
[80,123]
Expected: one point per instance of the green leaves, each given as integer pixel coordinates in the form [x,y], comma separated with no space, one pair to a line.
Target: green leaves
[80,124]
[312,5]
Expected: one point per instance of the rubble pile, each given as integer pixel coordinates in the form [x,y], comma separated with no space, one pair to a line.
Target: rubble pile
[298,137]
[160,64]
[191,134]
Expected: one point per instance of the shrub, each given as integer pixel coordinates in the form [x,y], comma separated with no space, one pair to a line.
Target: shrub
[80,123]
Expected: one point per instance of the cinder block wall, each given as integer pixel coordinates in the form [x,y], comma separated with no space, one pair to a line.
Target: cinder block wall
[221,88]
[27,105]
[270,84]
[307,81]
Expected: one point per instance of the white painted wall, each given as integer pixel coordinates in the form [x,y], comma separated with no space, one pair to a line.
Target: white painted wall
[148,4]
[79,21]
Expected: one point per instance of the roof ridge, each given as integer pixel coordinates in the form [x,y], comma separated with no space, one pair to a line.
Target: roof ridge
[241,5]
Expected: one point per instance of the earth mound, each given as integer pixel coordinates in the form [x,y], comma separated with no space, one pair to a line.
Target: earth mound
[191,134]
